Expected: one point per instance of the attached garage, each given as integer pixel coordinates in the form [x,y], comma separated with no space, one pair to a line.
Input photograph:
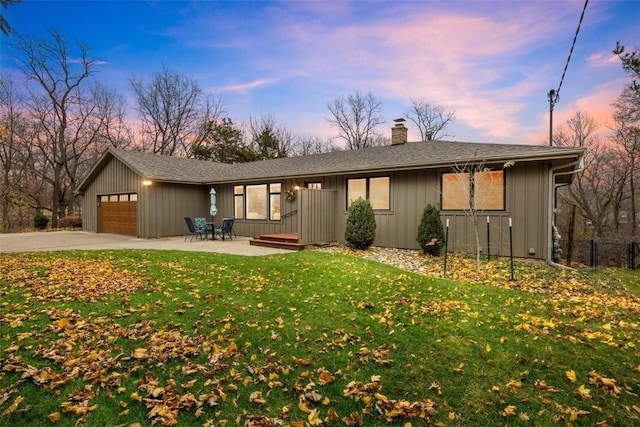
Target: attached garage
[145,195]
[118,214]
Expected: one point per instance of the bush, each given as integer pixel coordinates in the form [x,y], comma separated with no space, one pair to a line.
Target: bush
[71,221]
[361,225]
[40,221]
[430,232]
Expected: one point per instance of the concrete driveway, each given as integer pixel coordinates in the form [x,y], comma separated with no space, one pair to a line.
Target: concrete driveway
[83,240]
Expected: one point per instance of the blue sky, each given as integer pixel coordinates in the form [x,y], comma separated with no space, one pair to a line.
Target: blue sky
[493,62]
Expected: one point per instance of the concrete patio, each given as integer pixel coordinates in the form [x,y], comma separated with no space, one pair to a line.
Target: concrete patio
[83,240]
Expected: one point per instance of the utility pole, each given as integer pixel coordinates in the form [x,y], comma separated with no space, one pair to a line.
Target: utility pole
[553,99]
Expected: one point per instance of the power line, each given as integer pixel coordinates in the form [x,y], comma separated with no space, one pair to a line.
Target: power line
[554,95]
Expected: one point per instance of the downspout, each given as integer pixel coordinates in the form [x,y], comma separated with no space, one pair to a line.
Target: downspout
[552,203]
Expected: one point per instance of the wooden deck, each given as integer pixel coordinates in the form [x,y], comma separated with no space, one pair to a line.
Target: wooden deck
[281,241]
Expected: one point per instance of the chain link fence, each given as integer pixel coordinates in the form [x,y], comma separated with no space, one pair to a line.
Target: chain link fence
[594,253]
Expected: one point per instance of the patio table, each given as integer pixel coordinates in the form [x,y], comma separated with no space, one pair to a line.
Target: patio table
[213,226]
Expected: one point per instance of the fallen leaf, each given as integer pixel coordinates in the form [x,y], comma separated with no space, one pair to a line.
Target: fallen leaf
[509,411]
[140,353]
[584,392]
[314,418]
[12,408]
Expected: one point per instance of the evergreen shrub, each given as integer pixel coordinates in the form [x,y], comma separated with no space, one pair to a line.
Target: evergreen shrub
[361,225]
[430,232]
[40,221]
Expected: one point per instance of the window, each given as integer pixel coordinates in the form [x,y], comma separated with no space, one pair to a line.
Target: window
[314,185]
[379,193]
[376,190]
[274,201]
[455,191]
[257,201]
[356,188]
[238,201]
[132,197]
[490,190]
[487,188]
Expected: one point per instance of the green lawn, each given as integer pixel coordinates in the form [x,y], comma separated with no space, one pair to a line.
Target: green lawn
[139,338]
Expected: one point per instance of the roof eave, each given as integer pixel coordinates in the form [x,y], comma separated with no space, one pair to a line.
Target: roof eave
[566,155]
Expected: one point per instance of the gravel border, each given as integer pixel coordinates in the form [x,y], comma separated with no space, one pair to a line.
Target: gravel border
[406,259]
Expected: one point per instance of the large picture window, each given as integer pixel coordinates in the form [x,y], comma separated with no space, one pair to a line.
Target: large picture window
[487,188]
[260,201]
[376,190]
[256,201]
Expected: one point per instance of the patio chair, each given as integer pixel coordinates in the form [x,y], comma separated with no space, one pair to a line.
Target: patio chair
[233,230]
[225,228]
[201,225]
[193,230]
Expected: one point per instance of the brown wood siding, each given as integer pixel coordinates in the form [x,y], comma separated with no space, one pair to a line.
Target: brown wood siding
[316,220]
[165,206]
[529,207]
[411,191]
[526,202]
[161,208]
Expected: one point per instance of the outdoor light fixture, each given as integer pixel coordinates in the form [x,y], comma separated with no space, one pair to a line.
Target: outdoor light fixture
[146,182]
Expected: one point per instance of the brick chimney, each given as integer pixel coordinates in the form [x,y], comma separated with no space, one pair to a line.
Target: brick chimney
[399,132]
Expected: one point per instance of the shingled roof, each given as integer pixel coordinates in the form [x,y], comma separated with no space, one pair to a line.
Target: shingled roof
[410,155]
[158,168]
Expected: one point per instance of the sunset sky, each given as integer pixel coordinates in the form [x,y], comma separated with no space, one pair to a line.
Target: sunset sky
[493,62]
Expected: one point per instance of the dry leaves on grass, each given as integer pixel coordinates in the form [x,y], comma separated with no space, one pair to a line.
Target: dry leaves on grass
[67,279]
[217,369]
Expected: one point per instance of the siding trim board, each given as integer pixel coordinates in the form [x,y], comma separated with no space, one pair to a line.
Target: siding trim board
[180,188]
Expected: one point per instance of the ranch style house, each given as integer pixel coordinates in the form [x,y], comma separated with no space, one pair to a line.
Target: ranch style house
[148,195]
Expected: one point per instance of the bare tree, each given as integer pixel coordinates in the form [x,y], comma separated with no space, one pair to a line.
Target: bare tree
[307,145]
[4,25]
[475,188]
[627,136]
[15,154]
[211,111]
[598,188]
[110,123]
[356,118]
[173,112]
[60,73]
[431,120]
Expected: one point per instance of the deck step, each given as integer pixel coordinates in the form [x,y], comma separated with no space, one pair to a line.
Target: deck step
[280,241]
